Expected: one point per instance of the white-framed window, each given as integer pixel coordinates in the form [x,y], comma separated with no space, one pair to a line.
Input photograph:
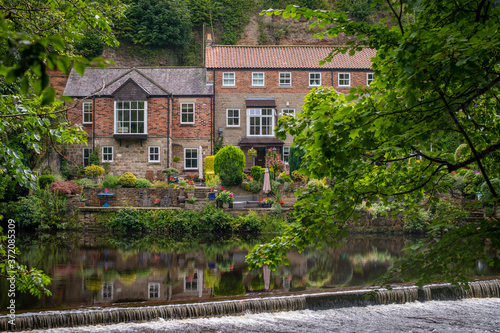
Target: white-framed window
[314,79]
[260,122]
[191,282]
[131,117]
[187,113]
[233,118]
[285,112]
[154,154]
[369,78]
[285,79]
[86,156]
[153,290]
[107,154]
[286,154]
[344,79]
[87,112]
[258,79]
[107,291]
[228,79]
[190,158]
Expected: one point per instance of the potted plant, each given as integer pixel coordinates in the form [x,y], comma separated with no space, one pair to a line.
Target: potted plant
[252,152]
[190,191]
[266,202]
[225,198]
[82,201]
[213,182]
[168,172]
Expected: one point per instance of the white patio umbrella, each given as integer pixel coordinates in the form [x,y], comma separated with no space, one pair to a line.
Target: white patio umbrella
[200,164]
[267,182]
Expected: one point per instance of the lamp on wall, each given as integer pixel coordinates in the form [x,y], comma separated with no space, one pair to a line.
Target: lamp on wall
[220,131]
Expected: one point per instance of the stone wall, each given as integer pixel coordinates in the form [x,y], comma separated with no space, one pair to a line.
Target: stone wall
[128,197]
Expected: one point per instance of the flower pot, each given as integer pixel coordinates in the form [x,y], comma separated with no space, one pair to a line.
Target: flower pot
[266,205]
[82,204]
[211,196]
[225,205]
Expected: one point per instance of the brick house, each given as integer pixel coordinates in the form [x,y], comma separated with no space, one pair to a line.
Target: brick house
[255,85]
[139,119]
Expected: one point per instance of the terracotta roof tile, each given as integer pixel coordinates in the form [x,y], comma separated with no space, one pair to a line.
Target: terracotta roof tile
[284,57]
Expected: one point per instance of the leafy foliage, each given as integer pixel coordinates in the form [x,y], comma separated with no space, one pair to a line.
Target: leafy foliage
[44,209]
[45,180]
[143,183]
[86,183]
[434,76]
[65,187]
[229,164]
[128,179]
[163,23]
[111,181]
[94,170]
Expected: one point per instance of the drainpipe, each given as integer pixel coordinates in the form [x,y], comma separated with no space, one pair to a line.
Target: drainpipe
[170,101]
[93,123]
[212,130]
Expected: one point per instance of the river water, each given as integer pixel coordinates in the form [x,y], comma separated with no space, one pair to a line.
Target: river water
[468,315]
[95,269]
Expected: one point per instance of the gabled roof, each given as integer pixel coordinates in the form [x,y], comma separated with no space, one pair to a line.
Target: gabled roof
[154,81]
[288,57]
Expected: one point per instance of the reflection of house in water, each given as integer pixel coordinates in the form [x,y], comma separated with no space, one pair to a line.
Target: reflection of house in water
[92,275]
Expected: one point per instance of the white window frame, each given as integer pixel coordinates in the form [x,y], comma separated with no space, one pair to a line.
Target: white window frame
[155,152]
[107,153]
[368,79]
[289,79]
[86,158]
[154,289]
[109,291]
[257,113]
[128,129]
[228,79]
[194,159]
[86,112]
[254,79]
[233,118]
[287,154]
[348,79]
[194,282]
[289,111]
[185,112]
[311,79]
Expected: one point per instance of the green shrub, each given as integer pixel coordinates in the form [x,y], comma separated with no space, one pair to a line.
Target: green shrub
[485,190]
[231,284]
[298,177]
[468,182]
[94,170]
[160,184]
[128,179]
[45,180]
[256,172]
[111,181]
[250,222]
[127,219]
[90,46]
[176,159]
[229,164]
[295,159]
[254,186]
[462,172]
[216,220]
[462,152]
[44,209]
[417,220]
[86,183]
[143,183]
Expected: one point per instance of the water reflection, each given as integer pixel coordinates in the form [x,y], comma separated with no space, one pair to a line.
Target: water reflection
[94,269]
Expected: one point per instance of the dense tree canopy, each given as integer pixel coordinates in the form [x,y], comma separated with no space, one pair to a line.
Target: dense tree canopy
[436,76]
[36,36]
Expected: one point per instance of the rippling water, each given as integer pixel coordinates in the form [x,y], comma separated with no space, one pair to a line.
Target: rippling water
[469,315]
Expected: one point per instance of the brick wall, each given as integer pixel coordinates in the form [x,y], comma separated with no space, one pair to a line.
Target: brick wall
[286,97]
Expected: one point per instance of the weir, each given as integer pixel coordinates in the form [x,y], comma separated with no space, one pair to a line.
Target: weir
[73,318]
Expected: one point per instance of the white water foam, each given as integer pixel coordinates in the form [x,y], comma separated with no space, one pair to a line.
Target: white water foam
[467,315]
